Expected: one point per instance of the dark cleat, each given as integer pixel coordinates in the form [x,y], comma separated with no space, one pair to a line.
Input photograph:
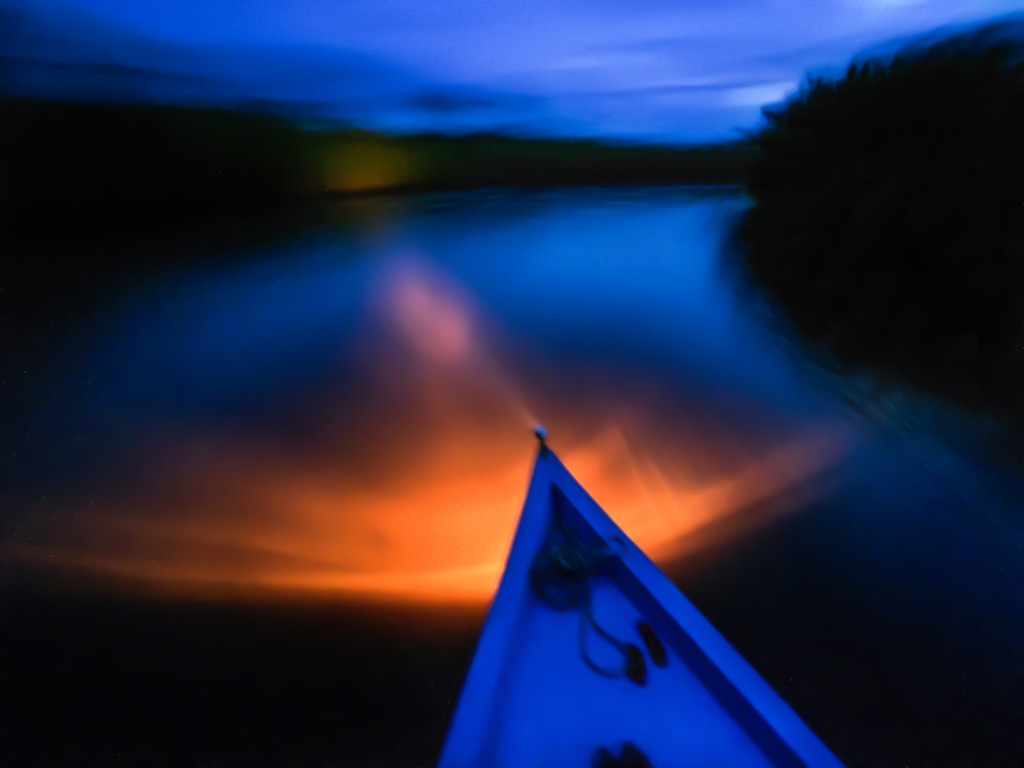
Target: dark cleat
[654,647]
[636,667]
[632,757]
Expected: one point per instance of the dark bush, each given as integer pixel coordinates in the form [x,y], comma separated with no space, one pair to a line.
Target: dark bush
[888,216]
[107,164]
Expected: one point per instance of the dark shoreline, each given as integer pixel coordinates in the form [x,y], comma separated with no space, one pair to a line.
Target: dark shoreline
[71,168]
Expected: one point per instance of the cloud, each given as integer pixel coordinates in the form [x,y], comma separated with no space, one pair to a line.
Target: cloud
[681,72]
[759,95]
[82,57]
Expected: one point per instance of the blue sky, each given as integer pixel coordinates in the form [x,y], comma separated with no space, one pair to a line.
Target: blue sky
[643,69]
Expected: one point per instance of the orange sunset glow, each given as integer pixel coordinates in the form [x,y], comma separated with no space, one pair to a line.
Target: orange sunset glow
[409,490]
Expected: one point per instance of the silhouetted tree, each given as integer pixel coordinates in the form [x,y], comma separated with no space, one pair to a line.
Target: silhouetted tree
[888,215]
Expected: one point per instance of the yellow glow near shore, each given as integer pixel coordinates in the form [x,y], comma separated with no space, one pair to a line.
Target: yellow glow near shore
[368,165]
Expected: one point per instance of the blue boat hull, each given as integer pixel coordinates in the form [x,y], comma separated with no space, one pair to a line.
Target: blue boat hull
[591,656]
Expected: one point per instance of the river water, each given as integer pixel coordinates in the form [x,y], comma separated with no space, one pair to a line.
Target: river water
[344,411]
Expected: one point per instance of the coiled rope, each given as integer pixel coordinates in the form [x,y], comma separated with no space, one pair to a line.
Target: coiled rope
[560,577]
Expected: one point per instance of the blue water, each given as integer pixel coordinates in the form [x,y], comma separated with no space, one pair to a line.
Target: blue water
[621,281]
[908,570]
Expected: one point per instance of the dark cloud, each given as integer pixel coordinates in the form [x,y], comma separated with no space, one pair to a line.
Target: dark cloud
[80,57]
[450,102]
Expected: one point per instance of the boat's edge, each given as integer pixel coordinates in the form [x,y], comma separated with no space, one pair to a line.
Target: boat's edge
[468,741]
[773,710]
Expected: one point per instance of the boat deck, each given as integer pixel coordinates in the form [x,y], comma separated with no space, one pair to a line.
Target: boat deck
[550,687]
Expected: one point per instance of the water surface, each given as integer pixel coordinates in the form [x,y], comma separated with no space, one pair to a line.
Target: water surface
[345,412]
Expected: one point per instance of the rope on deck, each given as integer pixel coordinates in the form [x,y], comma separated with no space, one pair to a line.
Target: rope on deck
[560,576]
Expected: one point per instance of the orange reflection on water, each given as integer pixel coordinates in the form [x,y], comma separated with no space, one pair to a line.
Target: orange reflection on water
[410,490]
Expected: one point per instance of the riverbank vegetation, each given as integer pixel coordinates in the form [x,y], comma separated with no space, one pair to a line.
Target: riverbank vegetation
[888,216]
[93,164]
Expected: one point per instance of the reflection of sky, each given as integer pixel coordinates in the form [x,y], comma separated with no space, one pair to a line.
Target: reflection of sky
[656,68]
[349,414]
[601,276]
[353,415]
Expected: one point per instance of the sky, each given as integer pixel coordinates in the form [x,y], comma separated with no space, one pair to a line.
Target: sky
[669,70]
